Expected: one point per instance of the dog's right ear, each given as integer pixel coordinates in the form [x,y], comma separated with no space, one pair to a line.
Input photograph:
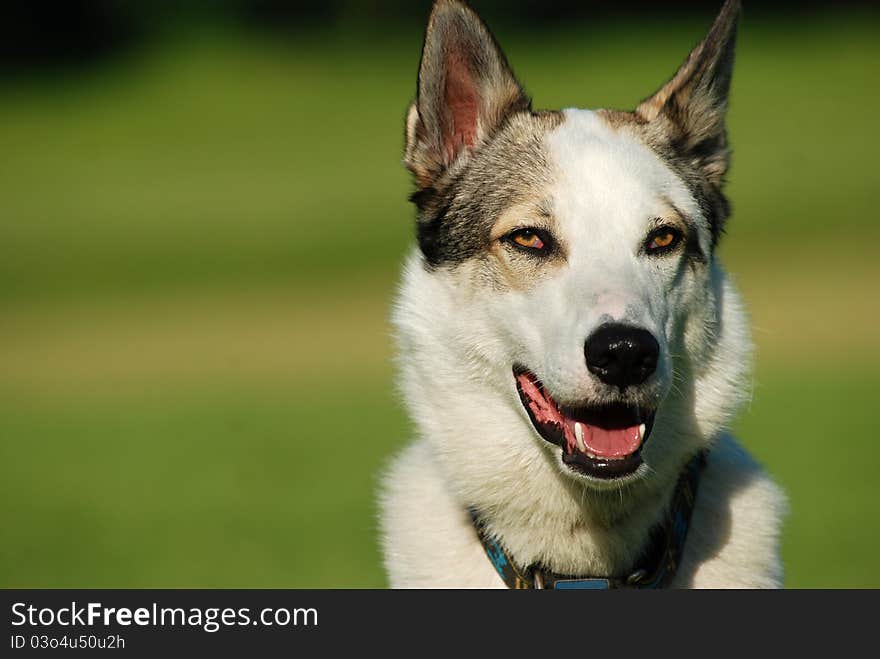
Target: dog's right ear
[465,91]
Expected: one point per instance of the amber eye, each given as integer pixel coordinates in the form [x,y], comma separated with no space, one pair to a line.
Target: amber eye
[528,239]
[662,240]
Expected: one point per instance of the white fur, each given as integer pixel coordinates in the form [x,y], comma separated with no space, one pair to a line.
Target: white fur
[459,339]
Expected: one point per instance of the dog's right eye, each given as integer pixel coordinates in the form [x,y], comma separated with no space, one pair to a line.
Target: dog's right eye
[530,240]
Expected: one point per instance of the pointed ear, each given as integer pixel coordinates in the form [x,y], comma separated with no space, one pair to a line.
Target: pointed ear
[693,104]
[465,91]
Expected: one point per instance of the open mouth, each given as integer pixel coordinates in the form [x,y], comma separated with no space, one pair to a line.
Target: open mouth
[602,441]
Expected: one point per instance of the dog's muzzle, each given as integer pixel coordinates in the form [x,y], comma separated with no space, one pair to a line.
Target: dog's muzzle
[601,441]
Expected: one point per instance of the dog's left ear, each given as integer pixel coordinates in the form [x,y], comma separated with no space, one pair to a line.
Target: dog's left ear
[465,91]
[692,106]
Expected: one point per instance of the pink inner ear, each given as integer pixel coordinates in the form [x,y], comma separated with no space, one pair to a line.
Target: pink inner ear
[462,107]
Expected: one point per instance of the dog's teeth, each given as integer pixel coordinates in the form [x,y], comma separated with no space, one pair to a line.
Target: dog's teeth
[642,431]
[579,435]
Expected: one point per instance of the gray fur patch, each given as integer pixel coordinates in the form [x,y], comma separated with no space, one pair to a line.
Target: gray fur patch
[456,217]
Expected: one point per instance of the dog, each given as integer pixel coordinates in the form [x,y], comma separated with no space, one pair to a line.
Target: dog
[571,350]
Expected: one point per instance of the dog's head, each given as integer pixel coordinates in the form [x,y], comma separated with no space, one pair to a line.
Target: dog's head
[566,261]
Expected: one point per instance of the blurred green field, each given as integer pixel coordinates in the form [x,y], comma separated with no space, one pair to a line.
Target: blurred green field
[199,244]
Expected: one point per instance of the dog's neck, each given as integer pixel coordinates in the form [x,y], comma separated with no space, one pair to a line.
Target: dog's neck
[657,565]
[577,530]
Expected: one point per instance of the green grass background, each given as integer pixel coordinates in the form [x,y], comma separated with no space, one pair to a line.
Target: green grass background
[199,244]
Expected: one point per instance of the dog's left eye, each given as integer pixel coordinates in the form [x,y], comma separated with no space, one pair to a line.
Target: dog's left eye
[662,240]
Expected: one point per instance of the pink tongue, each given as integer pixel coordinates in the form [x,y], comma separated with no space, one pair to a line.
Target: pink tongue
[611,443]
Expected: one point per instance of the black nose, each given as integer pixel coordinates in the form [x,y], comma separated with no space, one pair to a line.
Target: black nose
[621,355]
